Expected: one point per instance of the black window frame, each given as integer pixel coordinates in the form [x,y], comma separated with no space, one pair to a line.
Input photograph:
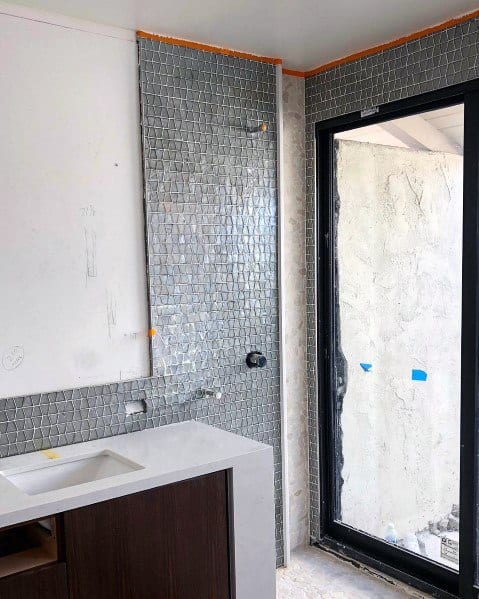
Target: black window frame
[340,538]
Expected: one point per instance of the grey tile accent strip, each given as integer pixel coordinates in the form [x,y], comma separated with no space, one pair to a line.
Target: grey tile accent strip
[433,62]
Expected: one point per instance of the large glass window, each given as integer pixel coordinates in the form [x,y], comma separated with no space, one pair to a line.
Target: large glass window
[398,202]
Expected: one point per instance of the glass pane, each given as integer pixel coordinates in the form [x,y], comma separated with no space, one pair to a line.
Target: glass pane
[398,194]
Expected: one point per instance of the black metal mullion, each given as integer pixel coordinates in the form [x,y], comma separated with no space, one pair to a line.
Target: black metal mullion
[469,352]
[325,315]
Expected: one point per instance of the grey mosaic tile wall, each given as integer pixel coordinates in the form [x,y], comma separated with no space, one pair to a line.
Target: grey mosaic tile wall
[435,61]
[211,206]
[211,216]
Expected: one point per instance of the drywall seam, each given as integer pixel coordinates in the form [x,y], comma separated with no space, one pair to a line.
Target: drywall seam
[58,20]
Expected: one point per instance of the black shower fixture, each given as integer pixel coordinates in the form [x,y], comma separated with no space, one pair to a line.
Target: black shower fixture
[255,359]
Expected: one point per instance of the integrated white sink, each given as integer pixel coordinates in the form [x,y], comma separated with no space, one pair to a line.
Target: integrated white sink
[70,472]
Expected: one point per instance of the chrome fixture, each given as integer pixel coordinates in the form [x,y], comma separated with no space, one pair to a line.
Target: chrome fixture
[205,393]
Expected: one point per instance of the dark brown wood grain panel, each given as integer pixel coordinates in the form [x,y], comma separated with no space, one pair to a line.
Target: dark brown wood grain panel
[166,543]
[48,582]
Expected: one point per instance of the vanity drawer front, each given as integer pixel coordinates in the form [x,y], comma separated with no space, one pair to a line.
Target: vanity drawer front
[165,543]
[46,582]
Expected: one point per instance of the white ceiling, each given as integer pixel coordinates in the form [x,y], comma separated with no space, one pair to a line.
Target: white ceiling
[305,33]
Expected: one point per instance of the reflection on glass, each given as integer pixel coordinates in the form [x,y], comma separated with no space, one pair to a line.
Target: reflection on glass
[398,194]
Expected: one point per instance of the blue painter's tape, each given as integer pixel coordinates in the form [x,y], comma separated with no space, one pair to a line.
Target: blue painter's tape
[418,375]
[366,367]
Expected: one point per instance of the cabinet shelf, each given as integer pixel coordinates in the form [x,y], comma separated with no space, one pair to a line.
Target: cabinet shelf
[28,546]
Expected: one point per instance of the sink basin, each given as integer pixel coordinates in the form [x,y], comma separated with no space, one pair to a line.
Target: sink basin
[70,472]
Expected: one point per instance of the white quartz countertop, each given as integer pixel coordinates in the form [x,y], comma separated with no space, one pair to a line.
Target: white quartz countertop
[166,454]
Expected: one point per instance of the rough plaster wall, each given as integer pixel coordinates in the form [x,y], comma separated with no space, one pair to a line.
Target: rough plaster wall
[294,281]
[399,260]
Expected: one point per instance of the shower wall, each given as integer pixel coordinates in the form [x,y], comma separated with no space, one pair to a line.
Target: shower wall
[212,224]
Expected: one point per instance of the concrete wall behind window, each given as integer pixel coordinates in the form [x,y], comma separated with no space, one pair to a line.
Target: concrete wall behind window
[399,296]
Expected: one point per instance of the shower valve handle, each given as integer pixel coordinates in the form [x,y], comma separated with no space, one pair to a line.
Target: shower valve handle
[255,359]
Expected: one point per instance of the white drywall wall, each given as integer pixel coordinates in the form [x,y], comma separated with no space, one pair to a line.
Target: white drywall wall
[399,260]
[73,301]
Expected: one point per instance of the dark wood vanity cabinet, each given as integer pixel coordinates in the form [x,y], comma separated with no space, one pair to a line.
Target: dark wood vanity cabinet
[170,542]
[46,582]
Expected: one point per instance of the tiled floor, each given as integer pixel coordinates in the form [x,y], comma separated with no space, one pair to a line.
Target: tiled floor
[313,574]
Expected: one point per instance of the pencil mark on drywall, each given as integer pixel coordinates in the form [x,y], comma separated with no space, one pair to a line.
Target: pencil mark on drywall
[90,253]
[13,357]
[132,336]
[88,210]
[110,311]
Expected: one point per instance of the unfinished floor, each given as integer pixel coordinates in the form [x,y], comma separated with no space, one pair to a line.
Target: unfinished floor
[314,574]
